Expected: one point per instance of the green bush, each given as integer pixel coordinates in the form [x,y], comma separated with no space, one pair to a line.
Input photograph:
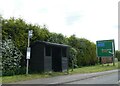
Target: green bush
[10,58]
[72,57]
[117,55]
[86,50]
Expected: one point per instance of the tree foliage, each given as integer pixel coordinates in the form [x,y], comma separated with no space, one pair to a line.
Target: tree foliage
[117,55]
[10,58]
[57,38]
[17,29]
[86,50]
[83,51]
[72,57]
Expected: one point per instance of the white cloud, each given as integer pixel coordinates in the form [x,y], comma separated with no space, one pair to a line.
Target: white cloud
[91,19]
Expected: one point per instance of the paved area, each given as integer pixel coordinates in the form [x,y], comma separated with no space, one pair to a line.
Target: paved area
[111,78]
[65,78]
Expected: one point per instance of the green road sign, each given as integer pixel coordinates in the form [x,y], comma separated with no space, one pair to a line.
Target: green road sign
[105,48]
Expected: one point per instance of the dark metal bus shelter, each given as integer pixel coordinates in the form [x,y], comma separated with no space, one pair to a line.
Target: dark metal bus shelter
[46,56]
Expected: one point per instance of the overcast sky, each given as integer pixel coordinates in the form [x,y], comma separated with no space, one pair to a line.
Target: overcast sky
[90,19]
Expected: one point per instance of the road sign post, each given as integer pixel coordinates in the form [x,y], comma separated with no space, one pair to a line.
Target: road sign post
[28,50]
[105,48]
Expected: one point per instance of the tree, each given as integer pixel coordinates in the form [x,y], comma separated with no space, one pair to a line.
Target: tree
[86,50]
[40,33]
[57,38]
[73,41]
[87,54]
[17,31]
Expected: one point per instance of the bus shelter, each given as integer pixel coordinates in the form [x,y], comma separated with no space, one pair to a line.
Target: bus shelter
[46,57]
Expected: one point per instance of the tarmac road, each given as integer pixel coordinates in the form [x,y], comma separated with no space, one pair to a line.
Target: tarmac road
[107,77]
[111,78]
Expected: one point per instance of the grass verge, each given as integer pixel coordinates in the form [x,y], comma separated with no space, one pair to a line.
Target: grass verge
[88,69]
[96,68]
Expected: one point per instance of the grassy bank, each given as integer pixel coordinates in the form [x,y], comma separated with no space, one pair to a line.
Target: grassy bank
[96,68]
[89,69]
